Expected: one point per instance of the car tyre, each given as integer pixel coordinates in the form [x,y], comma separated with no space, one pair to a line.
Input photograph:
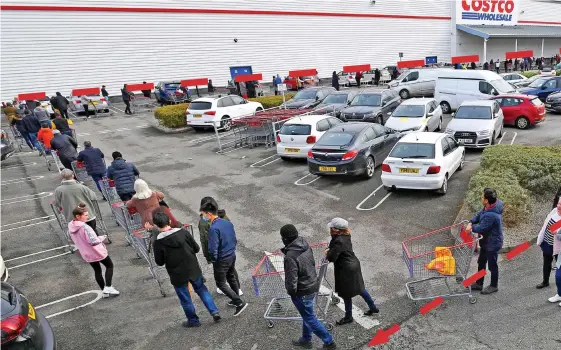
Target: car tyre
[388,188]
[259,109]
[286,159]
[404,94]
[370,168]
[522,123]
[439,127]
[501,132]
[225,123]
[446,109]
[462,162]
[380,120]
[444,188]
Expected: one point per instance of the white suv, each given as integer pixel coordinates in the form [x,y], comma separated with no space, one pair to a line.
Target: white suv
[208,111]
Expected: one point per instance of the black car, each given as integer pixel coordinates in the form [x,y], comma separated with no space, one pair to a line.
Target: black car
[373,106]
[308,98]
[335,102]
[553,102]
[352,149]
[23,327]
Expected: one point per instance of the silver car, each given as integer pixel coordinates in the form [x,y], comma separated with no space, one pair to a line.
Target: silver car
[416,114]
[477,124]
[98,101]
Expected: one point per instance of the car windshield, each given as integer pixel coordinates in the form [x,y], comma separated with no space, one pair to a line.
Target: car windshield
[296,129]
[172,86]
[538,82]
[409,111]
[336,139]
[413,150]
[305,95]
[473,112]
[337,98]
[402,75]
[366,100]
[200,105]
[502,86]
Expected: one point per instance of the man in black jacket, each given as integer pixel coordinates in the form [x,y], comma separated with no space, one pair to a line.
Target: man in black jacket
[302,285]
[30,123]
[62,104]
[176,249]
[66,147]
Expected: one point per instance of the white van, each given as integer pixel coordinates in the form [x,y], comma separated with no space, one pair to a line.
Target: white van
[417,82]
[458,86]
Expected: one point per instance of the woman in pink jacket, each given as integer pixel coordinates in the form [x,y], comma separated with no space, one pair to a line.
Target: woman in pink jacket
[92,249]
[550,242]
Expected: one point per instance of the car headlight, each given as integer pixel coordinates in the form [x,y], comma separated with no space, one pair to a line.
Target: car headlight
[484,132]
[449,131]
[394,85]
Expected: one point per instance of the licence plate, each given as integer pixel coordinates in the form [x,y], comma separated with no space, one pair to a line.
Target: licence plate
[31,312]
[292,150]
[547,105]
[197,115]
[465,140]
[328,168]
[408,170]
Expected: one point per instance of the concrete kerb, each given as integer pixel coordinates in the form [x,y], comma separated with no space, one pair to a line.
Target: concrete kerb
[156,125]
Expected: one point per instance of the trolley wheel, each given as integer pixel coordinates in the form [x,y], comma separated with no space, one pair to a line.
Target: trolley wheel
[270,324]
[329,326]
[472,300]
[335,300]
[48,166]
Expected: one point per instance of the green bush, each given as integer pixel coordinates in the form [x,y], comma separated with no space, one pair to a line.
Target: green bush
[172,116]
[529,74]
[518,173]
[271,101]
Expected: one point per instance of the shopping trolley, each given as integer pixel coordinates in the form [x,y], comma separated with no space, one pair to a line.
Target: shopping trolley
[80,171]
[420,251]
[268,281]
[109,191]
[141,101]
[59,215]
[18,138]
[56,161]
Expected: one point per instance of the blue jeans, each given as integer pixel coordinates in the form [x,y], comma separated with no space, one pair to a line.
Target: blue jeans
[488,258]
[558,280]
[349,303]
[34,141]
[187,303]
[25,136]
[310,323]
[96,178]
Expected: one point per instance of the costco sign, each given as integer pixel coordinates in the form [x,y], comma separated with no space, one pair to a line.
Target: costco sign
[497,12]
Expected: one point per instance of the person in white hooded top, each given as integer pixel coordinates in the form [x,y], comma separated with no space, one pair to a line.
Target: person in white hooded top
[549,241]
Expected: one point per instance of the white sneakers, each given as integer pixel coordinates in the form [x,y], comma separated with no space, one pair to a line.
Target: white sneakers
[222,293]
[110,291]
[555,299]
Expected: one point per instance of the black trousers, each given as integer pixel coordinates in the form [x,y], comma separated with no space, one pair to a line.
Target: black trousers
[358,82]
[67,163]
[226,278]
[548,256]
[108,272]
[64,113]
[86,109]
[128,107]
[125,196]
[489,258]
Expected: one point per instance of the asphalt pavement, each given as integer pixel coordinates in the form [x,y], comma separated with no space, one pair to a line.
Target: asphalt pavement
[260,193]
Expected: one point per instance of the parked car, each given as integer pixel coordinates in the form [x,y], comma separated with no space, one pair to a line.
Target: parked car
[543,87]
[346,79]
[351,149]
[307,81]
[513,78]
[207,112]
[308,98]
[22,326]
[423,161]
[172,92]
[553,102]
[7,146]
[417,82]
[3,270]
[372,106]
[525,83]
[477,123]
[521,111]
[547,71]
[335,102]
[299,134]
[416,114]
[457,86]
[98,101]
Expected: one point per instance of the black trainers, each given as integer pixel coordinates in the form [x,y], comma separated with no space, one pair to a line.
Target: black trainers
[331,345]
[231,303]
[489,290]
[240,308]
[302,344]
[371,312]
[344,320]
[187,324]
[542,285]
[216,317]
[477,287]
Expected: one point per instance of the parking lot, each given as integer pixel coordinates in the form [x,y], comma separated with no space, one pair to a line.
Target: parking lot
[260,193]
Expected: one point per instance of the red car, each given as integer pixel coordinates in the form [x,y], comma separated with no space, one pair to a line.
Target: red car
[521,111]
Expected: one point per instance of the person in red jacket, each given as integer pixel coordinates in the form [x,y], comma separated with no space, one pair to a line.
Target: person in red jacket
[45,136]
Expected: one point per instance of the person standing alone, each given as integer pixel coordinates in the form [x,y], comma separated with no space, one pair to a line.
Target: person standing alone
[550,246]
[85,104]
[126,95]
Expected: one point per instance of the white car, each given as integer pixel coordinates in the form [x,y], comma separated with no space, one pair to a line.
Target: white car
[298,135]
[477,124]
[208,112]
[416,114]
[3,270]
[423,161]
[513,78]
[346,79]
[98,101]
[547,72]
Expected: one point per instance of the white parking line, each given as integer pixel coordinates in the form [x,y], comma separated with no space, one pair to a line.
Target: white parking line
[33,197]
[117,109]
[104,131]
[297,182]
[262,160]
[359,206]
[231,149]
[40,260]
[514,138]
[34,219]
[23,179]
[123,129]
[18,165]
[98,295]
[41,252]
[501,139]
[83,134]
[20,227]
[143,126]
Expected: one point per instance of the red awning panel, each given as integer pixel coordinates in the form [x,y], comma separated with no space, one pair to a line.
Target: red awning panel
[86,91]
[410,64]
[194,82]
[519,54]
[248,77]
[32,96]
[302,72]
[139,87]
[357,68]
[465,59]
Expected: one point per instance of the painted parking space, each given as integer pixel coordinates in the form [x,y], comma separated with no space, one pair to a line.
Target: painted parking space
[97,295]
[25,198]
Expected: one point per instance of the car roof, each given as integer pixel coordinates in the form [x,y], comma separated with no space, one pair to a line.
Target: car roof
[485,103]
[353,127]
[521,96]
[208,99]
[418,101]
[308,119]
[372,91]
[422,137]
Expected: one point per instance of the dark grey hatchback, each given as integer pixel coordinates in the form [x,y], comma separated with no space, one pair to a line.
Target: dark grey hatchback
[22,327]
[352,149]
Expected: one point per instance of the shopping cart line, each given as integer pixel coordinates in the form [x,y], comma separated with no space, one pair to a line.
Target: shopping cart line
[98,295]
[254,165]
[359,206]
[33,197]
[41,252]
[297,182]
[40,260]
[18,165]
[17,228]
[23,179]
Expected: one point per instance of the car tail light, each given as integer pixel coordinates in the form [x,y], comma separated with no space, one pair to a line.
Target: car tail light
[12,327]
[78,101]
[311,139]
[433,169]
[102,99]
[386,168]
[350,155]
[210,112]
[351,77]
[278,139]
[310,154]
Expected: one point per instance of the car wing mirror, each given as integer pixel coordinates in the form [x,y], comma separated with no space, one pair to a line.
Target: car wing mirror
[430,114]
[384,103]
[453,115]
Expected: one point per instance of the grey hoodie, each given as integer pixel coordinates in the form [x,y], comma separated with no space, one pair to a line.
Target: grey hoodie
[41,114]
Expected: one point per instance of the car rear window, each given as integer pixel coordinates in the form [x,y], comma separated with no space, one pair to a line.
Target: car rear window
[536,102]
[296,129]
[335,139]
[473,112]
[199,106]
[413,150]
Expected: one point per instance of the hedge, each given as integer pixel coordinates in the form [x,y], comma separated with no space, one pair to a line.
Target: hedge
[531,74]
[519,174]
[271,101]
[172,116]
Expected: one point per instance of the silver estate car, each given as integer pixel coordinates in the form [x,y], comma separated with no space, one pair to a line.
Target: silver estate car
[477,124]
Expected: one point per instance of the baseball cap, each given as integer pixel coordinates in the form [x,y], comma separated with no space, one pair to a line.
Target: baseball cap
[339,223]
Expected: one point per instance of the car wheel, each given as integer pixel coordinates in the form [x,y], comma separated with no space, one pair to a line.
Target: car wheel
[404,94]
[493,139]
[225,123]
[259,109]
[370,168]
[462,162]
[446,109]
[381,120]
[522,123]
[501,132]
[426,129]
[439,127]
[388,188]
[444,188]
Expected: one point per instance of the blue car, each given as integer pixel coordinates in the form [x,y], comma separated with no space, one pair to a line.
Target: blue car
[168,92]
[543,87]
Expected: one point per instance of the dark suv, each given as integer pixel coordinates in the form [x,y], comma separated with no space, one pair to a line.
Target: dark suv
[309,97]
[372,106]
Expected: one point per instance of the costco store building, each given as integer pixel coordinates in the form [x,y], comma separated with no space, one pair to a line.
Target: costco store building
[58,45]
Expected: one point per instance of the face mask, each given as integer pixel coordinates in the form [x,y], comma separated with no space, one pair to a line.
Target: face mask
[205,219]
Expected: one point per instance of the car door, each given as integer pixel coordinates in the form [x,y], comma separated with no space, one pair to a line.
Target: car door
[547,88]
[498,117]
[432,120]
[447,157]
[412,83]
[226,106]
[385,140]
[509,108]
[369,144]
[241,106]
[455,154]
